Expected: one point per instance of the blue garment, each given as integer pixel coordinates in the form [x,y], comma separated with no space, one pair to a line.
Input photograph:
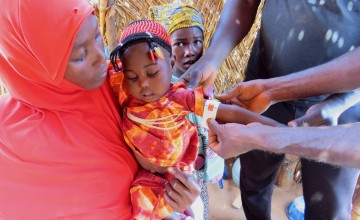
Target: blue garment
[214,165]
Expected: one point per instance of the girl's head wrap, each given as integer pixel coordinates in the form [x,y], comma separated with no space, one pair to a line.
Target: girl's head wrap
[142,31]
[176,16]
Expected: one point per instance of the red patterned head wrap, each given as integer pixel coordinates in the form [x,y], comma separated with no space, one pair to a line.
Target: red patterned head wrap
[141,31]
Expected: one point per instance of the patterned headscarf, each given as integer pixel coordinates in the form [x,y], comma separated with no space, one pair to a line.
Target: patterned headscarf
[176,16]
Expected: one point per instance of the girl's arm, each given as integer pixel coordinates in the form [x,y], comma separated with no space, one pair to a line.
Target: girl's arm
[235,114]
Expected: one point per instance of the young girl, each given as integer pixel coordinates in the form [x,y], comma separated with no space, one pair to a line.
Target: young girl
[185,26]
[153,114]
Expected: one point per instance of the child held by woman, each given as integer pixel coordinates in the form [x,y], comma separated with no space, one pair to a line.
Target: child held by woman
[154,113]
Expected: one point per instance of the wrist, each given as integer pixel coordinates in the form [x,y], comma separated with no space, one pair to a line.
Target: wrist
[281,89]
[270,140]
[215,56]
[272,90]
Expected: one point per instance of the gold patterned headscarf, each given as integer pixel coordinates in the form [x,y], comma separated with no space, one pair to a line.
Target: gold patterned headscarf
[176,16]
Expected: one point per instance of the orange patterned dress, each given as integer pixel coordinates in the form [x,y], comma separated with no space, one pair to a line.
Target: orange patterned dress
[160,133]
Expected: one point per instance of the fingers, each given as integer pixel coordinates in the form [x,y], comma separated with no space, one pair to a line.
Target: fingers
[241,104]
[301,122]
[210,80]
[186,179]
[202,73]
[231,93]
[213,125]
[311,119]
[181,191]
[295,123]
[174,199]
[194,80]
[191,79]
[185,77]
[213,139]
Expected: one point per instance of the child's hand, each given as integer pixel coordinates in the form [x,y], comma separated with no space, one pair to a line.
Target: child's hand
[181,191]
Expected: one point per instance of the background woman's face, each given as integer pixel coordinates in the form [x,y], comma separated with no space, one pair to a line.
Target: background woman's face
[187,47]
[87,64]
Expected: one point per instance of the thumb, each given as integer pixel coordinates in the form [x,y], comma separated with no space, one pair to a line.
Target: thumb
[213,125]
[227,95]
[300,122]
[185,77]
[194,80]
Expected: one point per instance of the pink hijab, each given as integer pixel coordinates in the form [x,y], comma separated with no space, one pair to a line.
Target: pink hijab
[61,149]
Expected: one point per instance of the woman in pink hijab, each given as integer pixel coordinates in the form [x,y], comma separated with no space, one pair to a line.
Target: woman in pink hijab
[61,152]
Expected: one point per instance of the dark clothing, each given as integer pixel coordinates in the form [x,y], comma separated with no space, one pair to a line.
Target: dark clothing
[296,35]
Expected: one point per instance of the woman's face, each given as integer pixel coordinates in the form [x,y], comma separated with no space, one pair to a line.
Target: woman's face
[187,47]
[87,64]
[144,79]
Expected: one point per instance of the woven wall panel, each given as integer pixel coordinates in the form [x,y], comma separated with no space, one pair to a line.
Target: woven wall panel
[115,15]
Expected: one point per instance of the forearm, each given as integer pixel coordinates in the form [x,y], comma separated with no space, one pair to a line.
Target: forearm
[337,76]
[337,145]
[236,114]
[235,22]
